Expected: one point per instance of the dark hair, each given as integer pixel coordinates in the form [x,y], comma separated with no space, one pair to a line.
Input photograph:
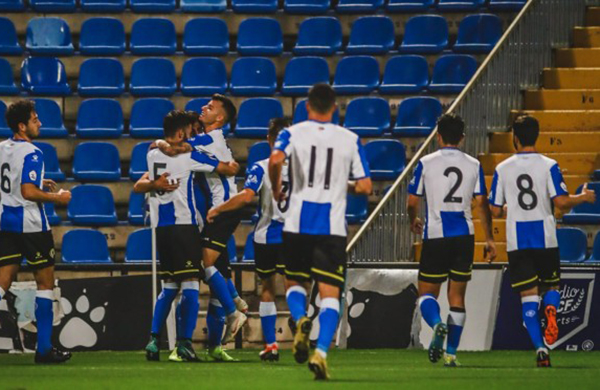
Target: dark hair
[19,112]
[526,128]
[194,116]
[174,121]
[228,106]
[452,128]
[278,124]
[321,98]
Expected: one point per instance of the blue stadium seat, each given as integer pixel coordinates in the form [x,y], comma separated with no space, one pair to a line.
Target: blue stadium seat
[301,115]
[254,6]
[358,6]
[572,244]
[99,118]
[85,246]
[203,77]
[147,117]
[371,35]
[52,123]
[585,213]
[596,175]
[409,5]
[368,116]
[259,151]
[96,161]
[301,73]
[249,248]
[478,34]
[356,75]
[152,6]
[197,104]
[356,209]
[254,117]
[452,73]
[44,76]
[53,6]
[232,249]
[102,36]
[136,212]
[460,5]
[153,77]
[253,76]
[49,36]
[319,36]
[52,169]
[101,77]
[103,6]
[139,164]
[306,7]
[139,247]
[405,74]
[7,80]
[595,256]
[387,158]
[506,5]
[92,205]
[5,131]
[53,218]
[12,5]
[425,34]
[153,36]
[196,42]
[203,6]
[9,44]
[260,36]
[417,116]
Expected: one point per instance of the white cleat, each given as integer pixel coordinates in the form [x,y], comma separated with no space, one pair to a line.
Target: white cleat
[241,305]
[233,325]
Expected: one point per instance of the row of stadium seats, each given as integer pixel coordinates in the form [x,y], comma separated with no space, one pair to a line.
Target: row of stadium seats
[103,118]
[256,36]
[252,6]
[250,76]
[572,243]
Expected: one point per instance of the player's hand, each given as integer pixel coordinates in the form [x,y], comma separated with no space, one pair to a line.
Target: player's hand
[164,184]
[416,226]
[589,195]
[49,185]
[489,252]
[165,147]
[63,197]
[235,167]
[212,214]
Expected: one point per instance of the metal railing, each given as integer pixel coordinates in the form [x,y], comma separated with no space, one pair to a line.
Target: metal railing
[484,104]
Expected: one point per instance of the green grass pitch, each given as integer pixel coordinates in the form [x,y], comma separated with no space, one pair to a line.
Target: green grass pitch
[350,369]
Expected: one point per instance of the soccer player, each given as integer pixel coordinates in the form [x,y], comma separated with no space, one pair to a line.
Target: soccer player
[24,228]
[322,157]
[268,239]
[173,215]
[449,179]
[530,184]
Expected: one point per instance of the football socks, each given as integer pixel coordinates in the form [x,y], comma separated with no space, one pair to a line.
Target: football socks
[456,323]
[430,309]
[268,318]
[189,308]
[215,322]
[44,317]
[218,286]
[530,307]
[163,307]
[296,300]
[328,320]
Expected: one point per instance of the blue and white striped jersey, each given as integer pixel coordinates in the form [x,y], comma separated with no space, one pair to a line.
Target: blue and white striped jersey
[527,183]
[449,179]
[21,162]
[322,158]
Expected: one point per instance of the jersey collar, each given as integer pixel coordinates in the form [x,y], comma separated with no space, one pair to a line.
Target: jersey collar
[17,140]
[323,123]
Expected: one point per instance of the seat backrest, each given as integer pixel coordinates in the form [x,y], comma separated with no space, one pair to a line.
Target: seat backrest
[8,33]
[306,71]
[320,31]
[136,208]
[454,68]
[102,32]
[419,111]
[5,131]
[42,71]
[257,112]
[232,249]
[301,114]
[356,208]
[253,71]
[258,36]
[406,69]
[357,70]
[596,249]
[138,157]
[149,113]
[153,71]
[139,246]
[49,113]
[204,71]
[589,208]
[217,42]
[96,156]
[483,28]
[12,5]
[153,32]
[101,72]
[100,114]
[103,5]
[90,199]
[572,244]
[426,29]
[386,154]
[204,5]
[51,163]
[371,112]
[85,246]
[259,151]
[249,248]
[44,32]
[6,74]
[373,30]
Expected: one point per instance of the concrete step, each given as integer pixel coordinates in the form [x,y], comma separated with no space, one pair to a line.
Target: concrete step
[577,58]
[586,36]
[550,142]
[570,163]
[564,99]
[592,16]
[498,229]
[563,120]
[479,257]
[571,78]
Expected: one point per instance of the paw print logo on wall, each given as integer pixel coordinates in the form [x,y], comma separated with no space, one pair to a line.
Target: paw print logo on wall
[355,309]
[81,329]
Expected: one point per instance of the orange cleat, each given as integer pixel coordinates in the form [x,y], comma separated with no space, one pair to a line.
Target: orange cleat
[551,332]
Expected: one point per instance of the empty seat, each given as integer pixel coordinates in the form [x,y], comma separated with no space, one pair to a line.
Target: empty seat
[358,6]
[356,208]
[260,36]
[44,76]
[96,161]
[204,6]
[52,169]
[99,118]
[459,5]
[306,7]
[49,36]
[153,77]
[254,117]
[249,248]
[417,116]
[136,213]
[506,5]
[139,246]
[387,158]
[85,246]
[9,44]
[301,73]
[45,6]
[452,73]
[203,77]
[425,34]
[371,35]
[356,75]
[368,116]
[478,34]
[101,77]
[409,5]
[259,151]
[585,213]
[7,81]
[153,36]
[232,249]
[5,131]
[405,74]
[197,104]
[139,164]
[196,42]
[595,256]
[102,36]
[53,218]
[147,117]
[92,205]
[254,6]
[320,36]
[301,114]
[52,123]
[152,6]
[103,5]
[253,76]
[572,244]
[12,5]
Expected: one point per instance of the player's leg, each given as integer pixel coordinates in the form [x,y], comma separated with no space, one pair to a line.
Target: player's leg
[8,274]
[240,304]
[268,318]
[215,323]
[10,260]
[548,265]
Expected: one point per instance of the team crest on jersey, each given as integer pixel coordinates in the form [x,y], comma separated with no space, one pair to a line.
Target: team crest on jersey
[35,158]
[33,174]
[252,179]
[563,185]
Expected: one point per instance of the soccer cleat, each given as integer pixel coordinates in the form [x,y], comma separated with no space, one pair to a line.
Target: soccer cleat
[543,358]
[551,332]
[233,325]
[184,352]
[301,344]
[152,350]
[270,354]
[292,325]
[450,361]
[55,356]
[174,356]
[318,365]
[218,354]
[241,305]
[436,348]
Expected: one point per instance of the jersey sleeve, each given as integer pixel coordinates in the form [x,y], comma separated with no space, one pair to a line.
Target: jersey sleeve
[556,182]
[497,191]
[360,166]
[283,142]
[201,162]
[254,178]
[416,187]
[480,187]
[33,165]
[200,140]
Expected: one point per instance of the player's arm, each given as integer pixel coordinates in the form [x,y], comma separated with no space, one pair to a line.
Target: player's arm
[144,184]
[33,193]
[31,180]
[275,165]
[496,198]
[566,202]
[412,207]
[170,150]
[240,200]
[230,168]
[485,216]
[362,186]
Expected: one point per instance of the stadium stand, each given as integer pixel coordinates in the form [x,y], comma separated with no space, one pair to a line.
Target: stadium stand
[53,217]
[301,73]
[102,37]
[259,151]
[254,117]
[204,6]
[478,34]
[249,248]
[409,5]
[99,118]
[253,76]
[203,77]
[417,116]
[586,213]
[152,6]
[368,116]
[572,244]
[147,117]
[506,5]
[260,37]
[135,212]
[425,34]
[319,36]
[101,77]
[405,74]
[153,77]
[85,246]
[195,42]
[595,255]
[452,73]
[96,161]
[12,5]
[49,36]
[387,158]
[52,123]
[371,35]
[153,36]
[52,169]
[356,75]
[139,165]
[92,205]
[254,6]
[7,83]
[459,5]
[356,209]
[44,76]
[358,6]
[53,6]
[102,6]
[139,246]
[9,44]
[5,131]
